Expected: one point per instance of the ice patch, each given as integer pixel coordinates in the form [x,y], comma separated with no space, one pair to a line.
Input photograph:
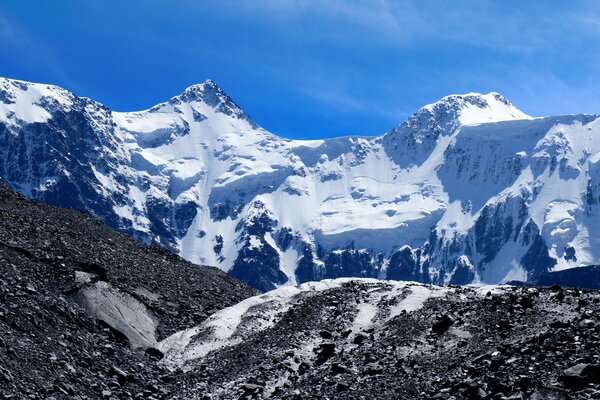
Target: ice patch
[415,299]
[122,312]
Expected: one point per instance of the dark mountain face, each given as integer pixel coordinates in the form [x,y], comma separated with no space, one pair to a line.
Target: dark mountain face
[585,277]
[80,304]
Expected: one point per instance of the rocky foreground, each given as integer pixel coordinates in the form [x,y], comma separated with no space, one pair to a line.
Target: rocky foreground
[365,339]
[81,305]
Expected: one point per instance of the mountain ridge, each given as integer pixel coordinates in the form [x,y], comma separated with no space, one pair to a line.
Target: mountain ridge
[192,90]
[467,189]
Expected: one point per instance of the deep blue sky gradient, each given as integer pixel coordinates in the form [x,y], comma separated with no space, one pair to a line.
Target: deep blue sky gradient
[311,69]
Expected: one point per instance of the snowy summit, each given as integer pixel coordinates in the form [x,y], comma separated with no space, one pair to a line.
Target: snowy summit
[467,189]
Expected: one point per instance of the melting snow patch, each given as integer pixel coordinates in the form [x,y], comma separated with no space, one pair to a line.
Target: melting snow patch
[415,299]
[364,317]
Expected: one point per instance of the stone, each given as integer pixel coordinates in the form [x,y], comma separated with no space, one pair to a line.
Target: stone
[119,373]
[443,324]
[250,388]
[154,352]
[359,338]
[325,352]
[337,368]
[579,376]
[326,335]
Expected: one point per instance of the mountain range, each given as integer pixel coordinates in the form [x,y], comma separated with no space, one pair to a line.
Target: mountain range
[468,189]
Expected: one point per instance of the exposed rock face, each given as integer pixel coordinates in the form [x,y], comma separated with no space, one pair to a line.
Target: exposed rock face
[80,302]
[585,277]
[122,312]
[467,189]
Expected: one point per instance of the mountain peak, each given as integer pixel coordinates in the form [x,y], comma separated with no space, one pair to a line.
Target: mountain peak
[27,102]
[415,138]
[204,91]
[474,108]
[210,94]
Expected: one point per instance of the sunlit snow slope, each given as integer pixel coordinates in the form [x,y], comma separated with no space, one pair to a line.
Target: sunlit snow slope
[467,189]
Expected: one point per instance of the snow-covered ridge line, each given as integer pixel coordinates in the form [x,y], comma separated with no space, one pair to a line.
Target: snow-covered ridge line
[209,92]
[467,189]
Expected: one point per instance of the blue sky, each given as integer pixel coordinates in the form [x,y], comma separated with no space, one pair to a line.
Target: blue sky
[311,69]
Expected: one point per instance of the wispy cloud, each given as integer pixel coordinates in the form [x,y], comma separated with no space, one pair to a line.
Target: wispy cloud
[335,97]
[27,51]
[499,25]
[7,31]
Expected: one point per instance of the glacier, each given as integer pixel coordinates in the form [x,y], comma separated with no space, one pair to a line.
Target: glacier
[468,189]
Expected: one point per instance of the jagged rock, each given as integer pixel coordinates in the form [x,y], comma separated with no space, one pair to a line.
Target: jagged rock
[342,386]
[359,339]
[153,352]
[325,334]
[579,376]
[251,388]
[442,324]
[526,302]
[122,377]
[324,352]
[337,368]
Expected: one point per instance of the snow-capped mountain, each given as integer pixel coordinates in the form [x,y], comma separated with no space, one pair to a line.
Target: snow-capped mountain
[467,189]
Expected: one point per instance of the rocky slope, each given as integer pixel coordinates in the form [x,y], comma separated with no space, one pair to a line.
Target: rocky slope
[468,189]
[368,339]
[82,307]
